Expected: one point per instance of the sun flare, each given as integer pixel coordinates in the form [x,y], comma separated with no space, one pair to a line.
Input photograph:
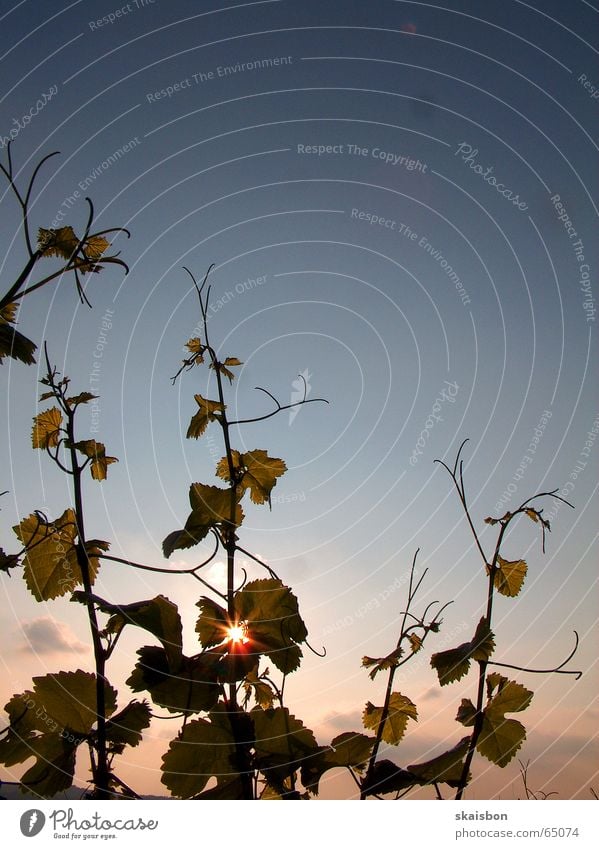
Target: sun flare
[237,633]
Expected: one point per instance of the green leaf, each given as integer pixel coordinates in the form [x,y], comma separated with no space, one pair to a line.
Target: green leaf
[97,452]
[46,428]
[255,471]
[401,709]
[466,713]
[223,367]
[212,623]
[190,689]
[446,768]
[69,698]
[351,749]
[14,344]
[210,508]
[201,750]
[500,738]
[125,727]
[159,616]
[509,576]
[50,563]
[453,664]
[382,663]
[387,777]
[195,347]
[274,625]
[282,742]
[206,413]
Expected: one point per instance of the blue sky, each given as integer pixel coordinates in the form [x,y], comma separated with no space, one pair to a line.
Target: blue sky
[279,171]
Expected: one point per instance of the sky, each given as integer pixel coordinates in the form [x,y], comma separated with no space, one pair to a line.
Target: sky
[398,199]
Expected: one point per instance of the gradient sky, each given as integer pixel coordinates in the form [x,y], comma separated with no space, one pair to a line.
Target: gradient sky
[223,170]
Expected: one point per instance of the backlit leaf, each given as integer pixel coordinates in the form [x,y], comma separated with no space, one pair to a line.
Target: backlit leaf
[274,625]
[201,750]
[262,692]
[46,428]
[509,576]
[255,471]
[211,507]
[382,663]
[224,369]
[82,398]
[125,727]
[69,698]
[447,767]
[501,738]
[61,242]
[466,713]
[160,617]
[387,777]
[453,664]
[207,413]
[415,642]
[14,344]
[351,749]
[212,623]
[95,246]
[282,743]
[8,313]
[190,688]
[97,452]
[401,709]
[50,563]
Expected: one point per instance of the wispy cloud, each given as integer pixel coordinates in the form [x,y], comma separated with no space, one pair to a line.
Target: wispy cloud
[46,636]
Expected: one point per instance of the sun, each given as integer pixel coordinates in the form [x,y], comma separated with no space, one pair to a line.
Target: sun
[237,633]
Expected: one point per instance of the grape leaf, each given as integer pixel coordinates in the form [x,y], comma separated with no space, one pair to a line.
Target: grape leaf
[415,642]
[190,689]
[14,344]
[95,246]
[509,576]
[453,664]
[46,428]
[202,749]
[206,413]
[262,692]
[447,767]
[125,727]
[387,777]
[97,452]
[400,710]
[212,623]
[255,471]
[350,749]
[75,400]
[159,616]
[381,663]
[50,562]
[61,242]
[466,713]
[500,738]
[282,742]
[223,369]
[8,313]
[70,699]
[274,625]
[210,507]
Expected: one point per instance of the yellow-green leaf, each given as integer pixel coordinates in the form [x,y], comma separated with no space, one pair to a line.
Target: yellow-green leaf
[401,709]
[97,452]
[382,663]
[415,642]
[201,750]
[207,413]
[224,369]
[95,246]
[501,738]
[447,767]
[51,567]
[255,471]
[483,644]
[8,313]
[46,428]
[69,698]
[509,576]
[61,242]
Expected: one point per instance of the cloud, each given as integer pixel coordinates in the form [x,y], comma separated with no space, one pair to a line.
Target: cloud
[46,636]
[431,694]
